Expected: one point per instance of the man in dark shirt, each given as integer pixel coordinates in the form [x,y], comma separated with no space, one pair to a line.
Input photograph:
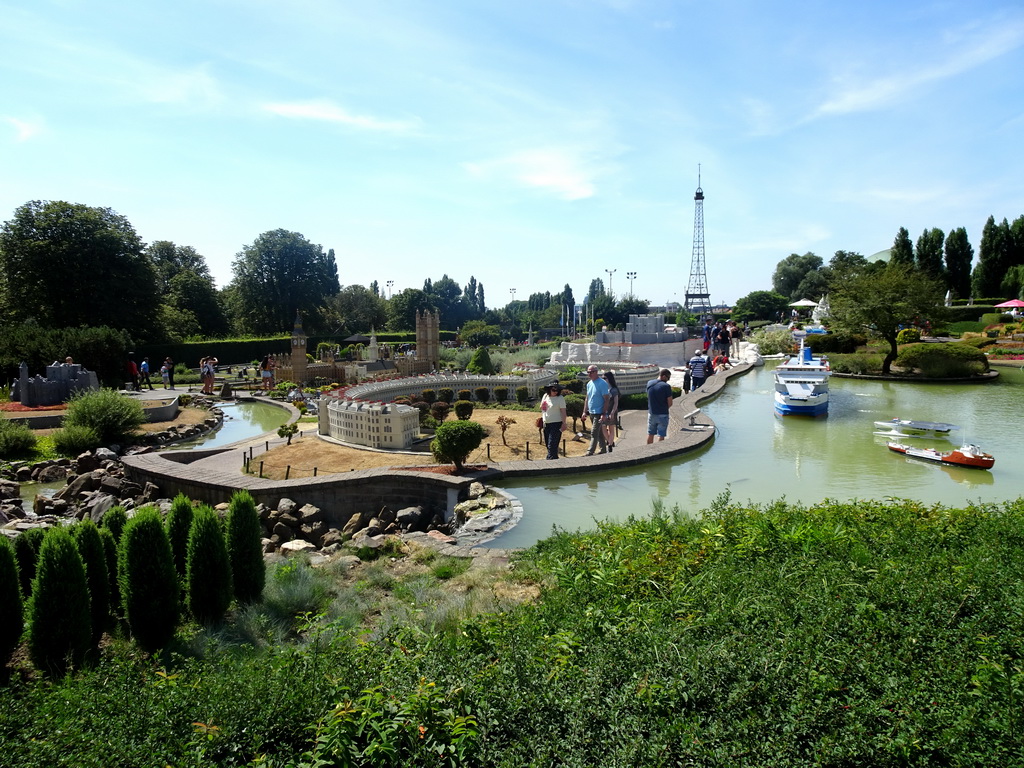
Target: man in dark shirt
[659,400]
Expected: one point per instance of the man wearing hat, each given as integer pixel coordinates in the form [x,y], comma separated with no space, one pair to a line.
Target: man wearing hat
[552,409]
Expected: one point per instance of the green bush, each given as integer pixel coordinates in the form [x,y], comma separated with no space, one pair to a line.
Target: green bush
[75,439]
[635,402]
[428,396]
[501,394]
[15,439]
[908,336]
[90,549]
[481,362]
[943,361]
[775,342]
[110,558]
[522,395]
[574,407]
[60,629]
[446,395]
[147,580]
[245,547]
[455,440]
[965,326]
[439,410]
[996,318]
[833,343]
[860,363]
[209,568]
[178,524]
[11,619]
[114,520]
[26,552]
[465,394]
[115,417]
[482,394]
[463,409]
[575,386]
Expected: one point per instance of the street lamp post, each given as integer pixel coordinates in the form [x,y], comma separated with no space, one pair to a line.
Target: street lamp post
[631,276]
[610,273]
[390,284]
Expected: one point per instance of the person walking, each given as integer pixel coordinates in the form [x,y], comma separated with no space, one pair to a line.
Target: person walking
[169,365]
[596,406]
[133,374]
[698,369]
[144,374]
[611,422]
[659,400]
[553,415]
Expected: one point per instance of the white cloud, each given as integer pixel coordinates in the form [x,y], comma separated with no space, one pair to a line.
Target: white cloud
[179,87]
[327,111]
[23,129]
[563,172]
[967,51]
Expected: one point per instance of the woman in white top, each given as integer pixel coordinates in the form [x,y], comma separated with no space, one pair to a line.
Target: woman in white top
[611,420]
[552,409]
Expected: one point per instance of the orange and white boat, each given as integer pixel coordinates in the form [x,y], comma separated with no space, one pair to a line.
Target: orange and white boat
[966,455]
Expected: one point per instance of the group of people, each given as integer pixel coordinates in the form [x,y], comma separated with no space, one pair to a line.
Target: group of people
[208,373]
[722,338]
[601,406]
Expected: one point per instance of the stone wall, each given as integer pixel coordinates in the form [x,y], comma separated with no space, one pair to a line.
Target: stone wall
[664,355]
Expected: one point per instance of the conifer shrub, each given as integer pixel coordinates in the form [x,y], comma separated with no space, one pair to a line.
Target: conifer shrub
[245,548]
[481,362]
[455,440]
[11,617]
[75,439]
[208,568]
[178,524]
[110,558]
[522,395]
[60,627]
[114,520]
[114,416]
[463,409]
[147,580]
[15,439]
[482,394]
[501,394]
[465,394]
[26,552]
[446,394]
[90,549]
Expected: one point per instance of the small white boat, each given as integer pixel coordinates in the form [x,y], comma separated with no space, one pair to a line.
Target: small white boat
[801,385]
[908,427]
[966,455]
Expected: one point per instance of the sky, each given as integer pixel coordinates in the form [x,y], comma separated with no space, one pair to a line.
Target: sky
[529,143]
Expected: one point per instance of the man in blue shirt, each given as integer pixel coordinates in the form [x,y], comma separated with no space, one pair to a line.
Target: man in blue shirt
[659,400]
[596,406]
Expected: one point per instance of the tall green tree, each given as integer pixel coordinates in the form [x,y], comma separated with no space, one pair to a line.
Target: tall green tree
[147,580]
[170,260]
[881,302]
[902,251]
[796,273]
[245,548]
[11,608]
[280,274]
[958,254]
[358,309]
[208,582]
[760,305]
[403,307]
[60,626]
[993,259]
[928,252]
[68,265]
[189,291]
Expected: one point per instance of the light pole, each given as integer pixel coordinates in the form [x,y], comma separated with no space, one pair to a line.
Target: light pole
[513,292]
[610,273]
[390,284]
[631,276]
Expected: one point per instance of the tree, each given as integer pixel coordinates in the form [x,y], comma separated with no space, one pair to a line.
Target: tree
[993,259]
[882,302]
[178,524]
[446,296]
[358,308]
[959,254]
[928,253]
[759,305]
[90,548]
[209,569]
[60,627]
[147,580]
[902,251]
[94,253]
[476,333]
[792,272]
[574,408]
[596,289]
[189,292]
[11,609]
[629,305]
[170,260]
[481,362]
[279,275]
[455,440]
[403,307]
[245,548]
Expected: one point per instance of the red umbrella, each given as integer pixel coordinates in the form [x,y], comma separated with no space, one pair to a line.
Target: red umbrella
[1010,303]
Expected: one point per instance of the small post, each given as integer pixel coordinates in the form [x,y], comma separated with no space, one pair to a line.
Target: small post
[287,471]
[266,445]
[563,448]
[261,469]
[488,451]
[527,450]
[314,471]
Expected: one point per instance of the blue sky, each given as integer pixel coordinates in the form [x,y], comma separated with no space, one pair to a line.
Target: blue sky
[528,143]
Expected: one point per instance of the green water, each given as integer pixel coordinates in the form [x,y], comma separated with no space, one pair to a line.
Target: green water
[242,420]
[759,457]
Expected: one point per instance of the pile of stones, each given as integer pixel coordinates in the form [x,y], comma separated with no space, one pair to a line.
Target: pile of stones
[179,432]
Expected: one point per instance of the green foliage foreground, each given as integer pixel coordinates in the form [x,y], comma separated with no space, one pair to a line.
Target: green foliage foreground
[862,634]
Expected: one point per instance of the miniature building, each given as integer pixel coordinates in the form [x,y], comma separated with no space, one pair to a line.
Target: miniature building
[377,425]
[61,382]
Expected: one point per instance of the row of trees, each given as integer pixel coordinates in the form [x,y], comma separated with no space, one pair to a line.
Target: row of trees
[73,584]
[948,258]
[66,265]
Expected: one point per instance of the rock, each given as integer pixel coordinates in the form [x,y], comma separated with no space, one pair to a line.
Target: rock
[41,505]
[346,562]
[476,489]
[465,508]
[9,489]
[309,514]
[331,537]
[104,455]
[361,540]
[86,462]
[290,520]
[387,516]
[51,474]
[443,538]
[295,546]
[409,517]
[373,528]
[355,523]
[98,505]
[263,511]
[283,532]
[286,506]
[150,492]
[313,533]
[268,546]
[112,485]
[81,484]
[23,474]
